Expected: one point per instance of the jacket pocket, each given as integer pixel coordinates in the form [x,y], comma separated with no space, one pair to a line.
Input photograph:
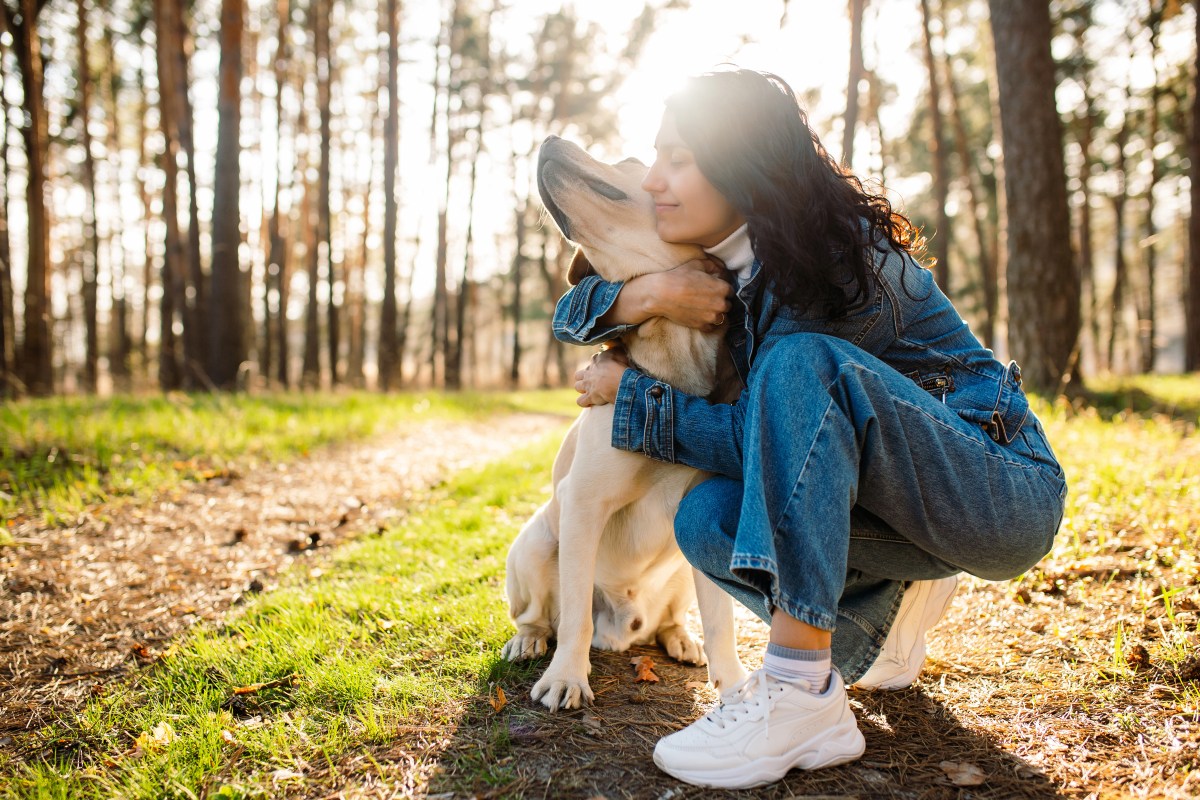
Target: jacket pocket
[1002,421]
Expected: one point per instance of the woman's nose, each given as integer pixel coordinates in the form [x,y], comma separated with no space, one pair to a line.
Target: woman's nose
[652,182]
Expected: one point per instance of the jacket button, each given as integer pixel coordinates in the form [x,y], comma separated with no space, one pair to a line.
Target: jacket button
[656,391]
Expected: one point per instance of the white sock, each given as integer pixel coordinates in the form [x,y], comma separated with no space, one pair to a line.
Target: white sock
[790,665]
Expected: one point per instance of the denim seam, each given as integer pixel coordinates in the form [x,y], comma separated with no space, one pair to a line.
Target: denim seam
[783,514]
[875,316]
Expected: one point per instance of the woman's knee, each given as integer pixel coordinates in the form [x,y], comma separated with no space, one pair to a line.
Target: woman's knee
[705,519]
[799,362]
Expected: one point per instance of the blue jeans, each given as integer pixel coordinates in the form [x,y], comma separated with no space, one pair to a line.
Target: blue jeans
[855,481]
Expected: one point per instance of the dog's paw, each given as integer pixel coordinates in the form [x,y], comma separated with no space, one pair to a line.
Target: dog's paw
[524,646]
[557,692]
[680,646]
[727,677]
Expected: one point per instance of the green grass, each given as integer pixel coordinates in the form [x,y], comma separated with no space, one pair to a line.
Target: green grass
[61,456]
[403,629]
[399,628]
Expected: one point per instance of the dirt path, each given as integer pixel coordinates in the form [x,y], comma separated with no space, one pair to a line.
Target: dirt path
[80,605]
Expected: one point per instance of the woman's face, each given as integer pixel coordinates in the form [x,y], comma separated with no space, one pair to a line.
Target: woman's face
[689,209]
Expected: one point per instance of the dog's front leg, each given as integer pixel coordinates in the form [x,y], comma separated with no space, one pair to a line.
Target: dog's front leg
[725,669]
[565,682]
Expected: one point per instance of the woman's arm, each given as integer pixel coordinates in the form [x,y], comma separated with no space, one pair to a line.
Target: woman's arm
[662,422]
[695,294]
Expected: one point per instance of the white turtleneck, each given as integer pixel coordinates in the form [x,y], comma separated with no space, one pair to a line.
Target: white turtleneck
[737,254]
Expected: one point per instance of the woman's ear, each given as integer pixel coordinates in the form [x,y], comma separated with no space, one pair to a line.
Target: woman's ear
[580,267]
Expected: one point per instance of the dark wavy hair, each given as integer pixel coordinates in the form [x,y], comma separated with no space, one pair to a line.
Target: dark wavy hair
[806,215]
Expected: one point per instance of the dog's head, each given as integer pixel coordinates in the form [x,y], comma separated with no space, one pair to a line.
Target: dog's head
[603,209]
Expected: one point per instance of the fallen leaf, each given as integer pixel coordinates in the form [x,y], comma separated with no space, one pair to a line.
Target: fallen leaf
[142,651]
[157,739]
[645,669]
[1138,657]
[498,700]
[961,773]
[281,775]
[228,737]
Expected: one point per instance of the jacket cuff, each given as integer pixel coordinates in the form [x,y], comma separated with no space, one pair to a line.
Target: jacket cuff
[577,314]
[643,417]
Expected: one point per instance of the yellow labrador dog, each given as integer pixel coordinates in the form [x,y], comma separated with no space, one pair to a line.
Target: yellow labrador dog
[598,565]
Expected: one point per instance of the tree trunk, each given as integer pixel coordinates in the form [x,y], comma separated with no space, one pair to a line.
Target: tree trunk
[966,164]
[167,27]
[941,171]
[390,367]
[855,77]
[144,161]
[1087,267]
[37,348]
[90,262]
[275,312]
[514,372]
[454,366]
[119,342]
[226,341]
[324,223]
[9,382]
[1043,285]
[195,302]
[1117,307]
[356,274]
[1191,356]
[1147,311]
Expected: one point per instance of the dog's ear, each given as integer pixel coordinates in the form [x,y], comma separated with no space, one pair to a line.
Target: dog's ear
[580,267]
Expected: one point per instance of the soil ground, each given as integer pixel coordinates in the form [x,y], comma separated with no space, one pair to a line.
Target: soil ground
[80,605]
[1023,695]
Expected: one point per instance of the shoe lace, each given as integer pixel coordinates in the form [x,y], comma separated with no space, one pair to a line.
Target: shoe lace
[752,700]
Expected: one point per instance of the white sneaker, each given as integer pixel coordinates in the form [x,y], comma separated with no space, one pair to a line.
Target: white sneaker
[903,653]
[763,728]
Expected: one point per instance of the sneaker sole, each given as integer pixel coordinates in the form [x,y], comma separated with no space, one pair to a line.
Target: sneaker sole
[836,747]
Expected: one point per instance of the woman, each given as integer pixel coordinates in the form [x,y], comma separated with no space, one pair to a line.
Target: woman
[876,451]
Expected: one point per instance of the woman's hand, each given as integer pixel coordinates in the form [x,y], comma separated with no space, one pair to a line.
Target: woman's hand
[597,383]
[695,294]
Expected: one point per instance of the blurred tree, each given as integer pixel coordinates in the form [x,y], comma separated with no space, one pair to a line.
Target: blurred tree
[275,326]
[119,343]
[1146,306]
[1192,302]
[324,54]
[1043,281]
[984,244]
[390,366]
[9,382]
[167,49]
[1078,67]
[227,338]
[855,77]
[36,354]
[91,257]
[1120,196]
[937,147]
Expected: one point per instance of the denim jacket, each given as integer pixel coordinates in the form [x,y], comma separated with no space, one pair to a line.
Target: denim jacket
[906,321]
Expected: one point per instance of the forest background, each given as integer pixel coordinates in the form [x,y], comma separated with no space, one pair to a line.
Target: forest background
[279,193]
